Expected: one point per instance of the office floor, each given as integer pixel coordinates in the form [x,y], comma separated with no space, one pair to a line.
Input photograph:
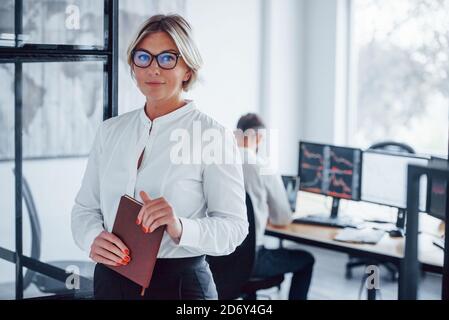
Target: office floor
[329,282]
[7,291]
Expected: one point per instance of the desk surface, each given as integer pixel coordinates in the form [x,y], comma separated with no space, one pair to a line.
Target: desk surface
[388,248]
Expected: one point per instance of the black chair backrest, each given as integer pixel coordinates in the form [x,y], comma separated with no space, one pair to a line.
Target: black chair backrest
[392,146]
[232,271]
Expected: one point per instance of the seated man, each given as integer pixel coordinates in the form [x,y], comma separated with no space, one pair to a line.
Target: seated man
[270,200]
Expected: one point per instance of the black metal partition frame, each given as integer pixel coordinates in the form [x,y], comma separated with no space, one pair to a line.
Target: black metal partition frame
[26,53]
[410,265]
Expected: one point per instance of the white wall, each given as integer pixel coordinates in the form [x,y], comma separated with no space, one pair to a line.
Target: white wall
[326,70]
[321,70]
[306,82]
[228,36]
[284,86]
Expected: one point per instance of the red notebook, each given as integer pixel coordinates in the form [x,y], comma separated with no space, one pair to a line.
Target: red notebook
[143,247]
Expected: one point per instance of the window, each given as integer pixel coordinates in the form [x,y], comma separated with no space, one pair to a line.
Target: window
[49,22]
[82,22]
[59,70]
[7,23]
[62,107]
[400,86]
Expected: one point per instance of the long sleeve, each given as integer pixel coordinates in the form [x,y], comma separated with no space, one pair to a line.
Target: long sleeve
[277,200]
[209,199]
[87,219]
[226,224]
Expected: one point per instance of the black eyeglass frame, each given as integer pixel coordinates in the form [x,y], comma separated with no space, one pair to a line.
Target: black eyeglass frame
[155,56]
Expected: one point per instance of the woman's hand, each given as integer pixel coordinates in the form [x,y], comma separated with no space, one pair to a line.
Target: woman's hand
[156,213]
[108,249]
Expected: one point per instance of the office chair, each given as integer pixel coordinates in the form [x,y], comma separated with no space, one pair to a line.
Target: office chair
[44,283]
[388,146]
[232,273]
[392,146]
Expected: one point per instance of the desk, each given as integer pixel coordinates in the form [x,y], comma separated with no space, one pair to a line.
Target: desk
[387,249]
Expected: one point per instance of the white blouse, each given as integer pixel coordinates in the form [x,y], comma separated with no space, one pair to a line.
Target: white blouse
[207,196]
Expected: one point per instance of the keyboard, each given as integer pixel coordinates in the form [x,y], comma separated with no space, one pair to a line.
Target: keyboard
[339,222]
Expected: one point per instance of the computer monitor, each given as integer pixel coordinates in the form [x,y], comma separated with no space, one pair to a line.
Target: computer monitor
[330,170]
[384,178]
[437,192]
[291,184]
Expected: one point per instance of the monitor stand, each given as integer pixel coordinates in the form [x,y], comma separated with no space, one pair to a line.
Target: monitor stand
[400,222]
[343,219]
[335,205]
[333,220]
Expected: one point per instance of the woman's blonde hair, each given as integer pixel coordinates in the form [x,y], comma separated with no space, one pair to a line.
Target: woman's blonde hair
[181,33]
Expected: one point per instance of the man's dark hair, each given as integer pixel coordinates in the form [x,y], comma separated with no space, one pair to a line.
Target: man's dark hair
[250,121]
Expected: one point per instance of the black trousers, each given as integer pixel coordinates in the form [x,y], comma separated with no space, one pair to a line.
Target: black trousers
[280,261]
[173,279]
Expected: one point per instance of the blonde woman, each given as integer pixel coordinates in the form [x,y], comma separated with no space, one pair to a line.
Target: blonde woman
[201,204]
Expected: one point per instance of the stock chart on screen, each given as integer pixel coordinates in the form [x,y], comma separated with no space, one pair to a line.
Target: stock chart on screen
[330,170]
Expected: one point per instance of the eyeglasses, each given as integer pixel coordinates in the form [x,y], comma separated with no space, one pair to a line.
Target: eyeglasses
[165,60]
